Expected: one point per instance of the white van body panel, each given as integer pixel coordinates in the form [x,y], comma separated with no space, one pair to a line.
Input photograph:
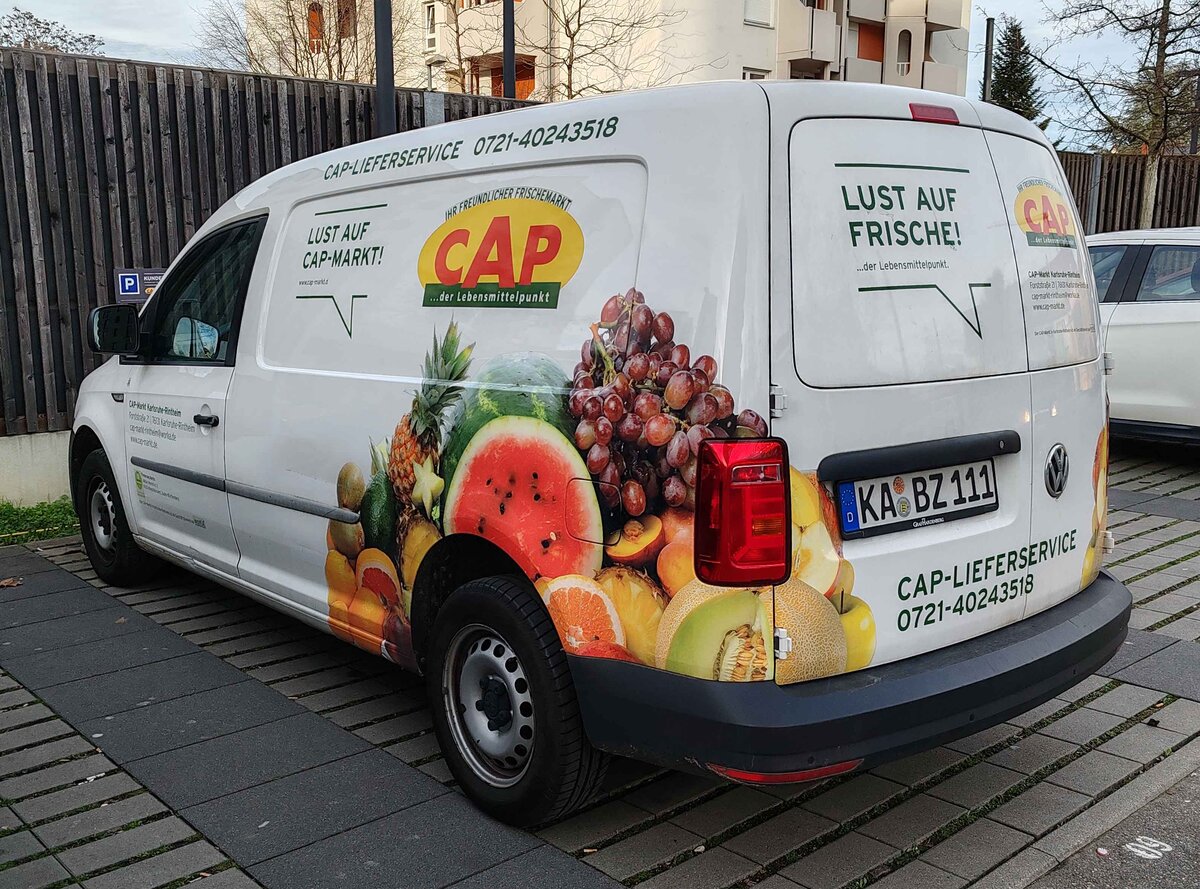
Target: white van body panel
[723,204]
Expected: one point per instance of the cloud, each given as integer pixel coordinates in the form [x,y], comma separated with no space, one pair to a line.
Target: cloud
[156,32]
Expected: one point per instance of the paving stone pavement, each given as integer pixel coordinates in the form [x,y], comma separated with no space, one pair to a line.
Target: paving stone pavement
[941,818]
[70,817]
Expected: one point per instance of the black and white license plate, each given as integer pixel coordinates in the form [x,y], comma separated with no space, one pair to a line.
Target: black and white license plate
[916,499]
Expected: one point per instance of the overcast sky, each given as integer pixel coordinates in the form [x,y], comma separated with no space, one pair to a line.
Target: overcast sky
[163,29]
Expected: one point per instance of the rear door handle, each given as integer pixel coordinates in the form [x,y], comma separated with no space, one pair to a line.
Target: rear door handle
[210,420]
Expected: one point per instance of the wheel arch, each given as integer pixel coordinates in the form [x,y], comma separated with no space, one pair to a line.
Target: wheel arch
[450,563]
[84,440]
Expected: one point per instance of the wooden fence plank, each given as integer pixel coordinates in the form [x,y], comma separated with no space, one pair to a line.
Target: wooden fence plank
[99,207]
[204,152]
[253,123]
[22,418]
[183,142]
[79,300]
[151,190]
[47,415]
[168,148]
[59,273]
[284,122]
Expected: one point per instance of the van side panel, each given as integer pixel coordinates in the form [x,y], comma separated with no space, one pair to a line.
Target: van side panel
[420,366]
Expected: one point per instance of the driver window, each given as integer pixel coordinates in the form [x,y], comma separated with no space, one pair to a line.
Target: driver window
[197,307]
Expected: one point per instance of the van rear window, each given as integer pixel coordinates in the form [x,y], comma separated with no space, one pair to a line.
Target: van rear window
[902,263]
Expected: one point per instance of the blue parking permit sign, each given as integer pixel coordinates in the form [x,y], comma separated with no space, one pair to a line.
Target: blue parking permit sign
[136,285]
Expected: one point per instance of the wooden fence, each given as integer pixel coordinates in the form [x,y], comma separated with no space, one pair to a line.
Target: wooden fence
[1108,190]
[112,164]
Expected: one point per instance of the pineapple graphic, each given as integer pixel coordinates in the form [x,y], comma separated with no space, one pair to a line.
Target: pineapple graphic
[413,458]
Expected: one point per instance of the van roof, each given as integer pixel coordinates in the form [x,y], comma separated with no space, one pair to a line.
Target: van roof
[307,176]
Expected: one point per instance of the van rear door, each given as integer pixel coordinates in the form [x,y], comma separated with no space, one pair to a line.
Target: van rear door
[1069,447]
[899,345]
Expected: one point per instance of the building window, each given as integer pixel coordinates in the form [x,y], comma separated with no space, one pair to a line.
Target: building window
[347,19]
[870,42]
[757,12]
[755,74]
[904,53]
[430,26]
[316,27]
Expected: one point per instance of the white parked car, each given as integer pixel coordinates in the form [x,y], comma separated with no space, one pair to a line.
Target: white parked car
[1149,282]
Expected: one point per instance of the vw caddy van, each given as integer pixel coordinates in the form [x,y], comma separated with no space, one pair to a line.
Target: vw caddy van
[750,428]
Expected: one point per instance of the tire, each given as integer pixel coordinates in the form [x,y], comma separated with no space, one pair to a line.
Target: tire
[114,554]
[538,764]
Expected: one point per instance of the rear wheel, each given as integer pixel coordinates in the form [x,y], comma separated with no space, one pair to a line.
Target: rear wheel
[504,706]
[114,554]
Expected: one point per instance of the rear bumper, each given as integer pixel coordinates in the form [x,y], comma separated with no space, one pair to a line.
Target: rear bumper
[874,715]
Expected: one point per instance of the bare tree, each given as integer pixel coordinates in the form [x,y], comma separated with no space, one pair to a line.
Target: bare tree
[27,31]
[1149,103]
[322,39]
[602,46]
[463,38]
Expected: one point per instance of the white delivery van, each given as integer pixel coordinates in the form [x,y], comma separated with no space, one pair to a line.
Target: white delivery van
[750,428]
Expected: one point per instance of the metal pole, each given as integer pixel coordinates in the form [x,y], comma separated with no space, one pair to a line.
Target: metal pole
[385,74]
[987,59]
[510,50]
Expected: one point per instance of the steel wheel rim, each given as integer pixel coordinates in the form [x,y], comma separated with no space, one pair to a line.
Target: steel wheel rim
[102,516]
[488,703]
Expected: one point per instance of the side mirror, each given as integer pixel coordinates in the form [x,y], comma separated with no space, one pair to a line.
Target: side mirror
[114,329]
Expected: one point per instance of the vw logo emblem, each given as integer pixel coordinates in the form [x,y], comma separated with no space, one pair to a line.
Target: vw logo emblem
[1057,469]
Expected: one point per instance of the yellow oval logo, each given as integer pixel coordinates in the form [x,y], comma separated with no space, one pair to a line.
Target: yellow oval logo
[1044,215]
[511,253]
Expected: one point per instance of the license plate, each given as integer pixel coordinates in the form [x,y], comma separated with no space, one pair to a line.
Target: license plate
[916,499]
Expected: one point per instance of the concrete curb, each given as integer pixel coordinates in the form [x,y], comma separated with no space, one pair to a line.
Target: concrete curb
[1089,825]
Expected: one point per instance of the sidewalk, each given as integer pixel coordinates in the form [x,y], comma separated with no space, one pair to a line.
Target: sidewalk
[1158,846]
[944,818]
[106,704]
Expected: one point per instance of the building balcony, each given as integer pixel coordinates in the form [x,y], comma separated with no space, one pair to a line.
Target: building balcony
[943,15]
[866,10]
[482,25]
[862,71]
[808,37]
[939,15]
[943,78]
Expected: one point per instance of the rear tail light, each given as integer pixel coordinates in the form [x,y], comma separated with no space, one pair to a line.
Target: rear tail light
[933,113]
[745,777]
[743,518]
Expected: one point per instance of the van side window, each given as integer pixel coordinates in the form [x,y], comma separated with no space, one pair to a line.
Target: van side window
[197,309]
[1105,262]
[1173,273]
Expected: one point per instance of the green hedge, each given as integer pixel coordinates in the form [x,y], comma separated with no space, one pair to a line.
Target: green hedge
[43,521]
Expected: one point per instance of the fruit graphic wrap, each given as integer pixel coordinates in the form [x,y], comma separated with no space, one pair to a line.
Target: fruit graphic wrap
[588,483]
[1093,555]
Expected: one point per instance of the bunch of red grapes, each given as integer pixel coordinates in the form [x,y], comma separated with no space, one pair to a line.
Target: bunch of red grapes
[644,406]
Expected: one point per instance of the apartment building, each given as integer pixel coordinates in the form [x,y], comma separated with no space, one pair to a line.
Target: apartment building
[918,43]
[628,44]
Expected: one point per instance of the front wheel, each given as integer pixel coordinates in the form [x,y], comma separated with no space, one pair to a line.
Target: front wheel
[504,706]
[114,554]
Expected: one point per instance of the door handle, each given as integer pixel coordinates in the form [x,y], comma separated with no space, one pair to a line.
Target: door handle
[209,420]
